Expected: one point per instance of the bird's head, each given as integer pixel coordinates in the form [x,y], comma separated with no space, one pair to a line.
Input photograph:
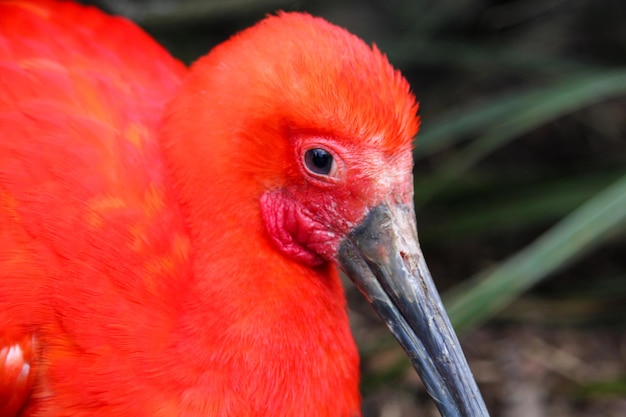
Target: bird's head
[313,128]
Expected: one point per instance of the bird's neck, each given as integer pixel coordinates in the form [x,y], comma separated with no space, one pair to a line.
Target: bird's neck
[259,333]
[270,336]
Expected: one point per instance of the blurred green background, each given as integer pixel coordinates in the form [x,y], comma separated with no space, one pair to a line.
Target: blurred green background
[520,185]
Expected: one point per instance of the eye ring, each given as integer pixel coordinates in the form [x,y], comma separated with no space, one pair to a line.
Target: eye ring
[319,161]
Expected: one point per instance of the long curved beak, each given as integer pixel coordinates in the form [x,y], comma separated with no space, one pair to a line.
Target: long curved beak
[383,258]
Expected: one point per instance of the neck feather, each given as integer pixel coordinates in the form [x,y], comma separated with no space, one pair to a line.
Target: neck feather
[259,333]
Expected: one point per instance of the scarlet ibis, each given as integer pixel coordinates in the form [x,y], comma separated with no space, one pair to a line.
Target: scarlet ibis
[169,238]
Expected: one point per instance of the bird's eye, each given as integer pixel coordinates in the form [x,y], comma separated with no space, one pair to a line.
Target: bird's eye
[320,161]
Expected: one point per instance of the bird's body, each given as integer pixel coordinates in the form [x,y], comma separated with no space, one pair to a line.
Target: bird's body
[96,255]
[166,235]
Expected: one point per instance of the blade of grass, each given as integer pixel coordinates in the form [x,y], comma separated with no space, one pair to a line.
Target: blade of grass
[475,57]
[509,116]
[546,106]
[484,295]
[528,205]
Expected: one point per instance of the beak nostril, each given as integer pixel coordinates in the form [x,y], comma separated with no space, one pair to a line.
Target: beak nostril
[405,257]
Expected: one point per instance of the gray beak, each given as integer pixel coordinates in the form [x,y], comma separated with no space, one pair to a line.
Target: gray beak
[383,258]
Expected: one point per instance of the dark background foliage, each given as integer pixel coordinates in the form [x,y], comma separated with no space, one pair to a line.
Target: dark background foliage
[520,185]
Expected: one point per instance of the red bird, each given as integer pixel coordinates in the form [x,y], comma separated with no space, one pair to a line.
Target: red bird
[169,237]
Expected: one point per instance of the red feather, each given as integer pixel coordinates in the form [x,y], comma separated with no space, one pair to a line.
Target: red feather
[132,246]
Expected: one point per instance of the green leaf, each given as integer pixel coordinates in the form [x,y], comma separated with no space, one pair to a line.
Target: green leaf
[508,117]
[502,210]
[490,291]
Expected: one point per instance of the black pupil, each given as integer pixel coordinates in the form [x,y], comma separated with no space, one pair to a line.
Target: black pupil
[318,161]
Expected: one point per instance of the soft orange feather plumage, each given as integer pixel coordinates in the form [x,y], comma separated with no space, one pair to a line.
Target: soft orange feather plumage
[164,246]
